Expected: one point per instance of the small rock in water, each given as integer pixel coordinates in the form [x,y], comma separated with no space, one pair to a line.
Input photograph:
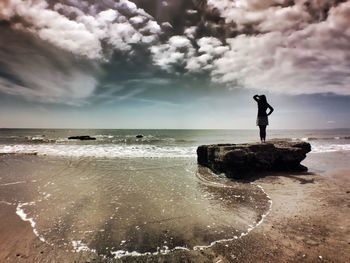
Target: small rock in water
[139,136]
[82,138]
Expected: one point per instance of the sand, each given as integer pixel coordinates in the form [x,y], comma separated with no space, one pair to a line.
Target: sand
[309,222]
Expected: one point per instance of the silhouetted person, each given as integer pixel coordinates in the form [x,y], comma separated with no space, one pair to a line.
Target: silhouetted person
[262,120]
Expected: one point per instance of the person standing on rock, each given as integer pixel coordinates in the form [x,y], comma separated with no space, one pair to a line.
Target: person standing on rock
[262,120]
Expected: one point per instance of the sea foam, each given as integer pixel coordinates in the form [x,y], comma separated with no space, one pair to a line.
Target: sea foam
[101,150]
[325,148]
[20,212]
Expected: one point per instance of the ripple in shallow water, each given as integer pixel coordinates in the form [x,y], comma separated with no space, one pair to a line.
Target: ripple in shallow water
[140,205]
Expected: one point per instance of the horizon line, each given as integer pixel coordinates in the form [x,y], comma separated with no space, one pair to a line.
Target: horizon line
[228,129]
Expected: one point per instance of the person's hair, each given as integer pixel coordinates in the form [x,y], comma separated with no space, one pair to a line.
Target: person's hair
[263,99]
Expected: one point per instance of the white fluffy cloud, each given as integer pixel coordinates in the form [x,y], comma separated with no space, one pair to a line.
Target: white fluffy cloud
[294,48]
[284,46]
[299,47]
[120,24]
[209,49]
[176,52]
[180,52]
[89,31]
[310,60]
[52,26]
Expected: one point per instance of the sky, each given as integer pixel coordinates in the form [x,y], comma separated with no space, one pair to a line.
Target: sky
[175,64]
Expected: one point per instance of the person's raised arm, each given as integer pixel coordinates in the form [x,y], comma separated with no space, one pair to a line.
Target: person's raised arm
[270,108]
[256,98]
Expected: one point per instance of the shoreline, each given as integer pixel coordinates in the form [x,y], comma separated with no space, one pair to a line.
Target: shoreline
[307,223]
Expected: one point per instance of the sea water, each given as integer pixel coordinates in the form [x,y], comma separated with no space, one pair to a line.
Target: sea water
[122,195]
[154,143]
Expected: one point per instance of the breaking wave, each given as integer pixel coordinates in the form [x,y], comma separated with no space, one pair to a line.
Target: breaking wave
[101,150]
[325,138]
[99,138]
[324,148]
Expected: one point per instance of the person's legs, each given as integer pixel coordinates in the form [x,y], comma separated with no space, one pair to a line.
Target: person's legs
[262,132]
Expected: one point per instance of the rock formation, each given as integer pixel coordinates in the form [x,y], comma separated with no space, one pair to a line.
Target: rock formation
[242,160]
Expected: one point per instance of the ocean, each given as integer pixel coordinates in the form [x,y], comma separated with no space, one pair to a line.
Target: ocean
[120,195]
[155,143]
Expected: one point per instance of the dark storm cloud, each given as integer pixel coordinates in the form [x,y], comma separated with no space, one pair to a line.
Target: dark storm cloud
[282,46]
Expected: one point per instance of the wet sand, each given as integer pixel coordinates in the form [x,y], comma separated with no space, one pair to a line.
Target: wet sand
[309,222]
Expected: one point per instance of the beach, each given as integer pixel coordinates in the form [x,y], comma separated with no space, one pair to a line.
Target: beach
[174,131]
[98,209]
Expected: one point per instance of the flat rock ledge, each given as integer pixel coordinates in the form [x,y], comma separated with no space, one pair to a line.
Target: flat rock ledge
[244,160]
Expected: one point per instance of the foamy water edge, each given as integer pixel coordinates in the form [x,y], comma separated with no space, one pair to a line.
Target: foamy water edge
[79,246]
[102,150]
[20,212]
[130,151]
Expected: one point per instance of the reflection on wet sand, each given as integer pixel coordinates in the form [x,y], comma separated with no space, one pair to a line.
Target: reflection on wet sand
[138,205]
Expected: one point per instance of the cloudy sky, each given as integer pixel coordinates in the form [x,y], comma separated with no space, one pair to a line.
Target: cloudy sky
[174,63]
